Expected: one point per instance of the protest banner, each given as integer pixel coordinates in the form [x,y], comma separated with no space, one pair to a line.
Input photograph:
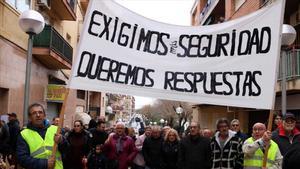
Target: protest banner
[233,63]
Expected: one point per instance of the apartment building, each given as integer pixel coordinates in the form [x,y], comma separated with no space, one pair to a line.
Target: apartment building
[207,12]
[121,107]
[53,54]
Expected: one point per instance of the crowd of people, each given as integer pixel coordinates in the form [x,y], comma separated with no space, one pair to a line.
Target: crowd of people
[103,147]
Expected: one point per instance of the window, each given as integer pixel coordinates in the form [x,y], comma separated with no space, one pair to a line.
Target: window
[20,5]
[81,94]
[238,4]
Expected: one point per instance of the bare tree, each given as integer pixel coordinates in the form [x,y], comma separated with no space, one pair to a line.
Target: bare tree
[166,109]
[149,112]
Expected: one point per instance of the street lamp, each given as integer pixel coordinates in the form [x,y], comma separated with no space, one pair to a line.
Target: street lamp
[287,38]
[162,121]
[109,110]
[32,23]
[179,110]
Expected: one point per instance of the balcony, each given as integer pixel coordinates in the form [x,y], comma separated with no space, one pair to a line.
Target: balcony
[292,71]
[62,9]
[50,48]
[212,12]
[84,5]
[293,65]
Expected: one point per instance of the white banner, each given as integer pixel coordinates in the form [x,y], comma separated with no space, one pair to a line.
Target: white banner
[231,64]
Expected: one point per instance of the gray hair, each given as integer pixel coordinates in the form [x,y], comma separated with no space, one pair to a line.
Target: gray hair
[120,124]
[235,121]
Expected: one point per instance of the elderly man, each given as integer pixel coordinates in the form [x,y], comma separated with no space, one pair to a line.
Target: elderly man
[152,149]
[235,126]
[254,149]
[34,144]
[195,152]
[287,133]
[119,148]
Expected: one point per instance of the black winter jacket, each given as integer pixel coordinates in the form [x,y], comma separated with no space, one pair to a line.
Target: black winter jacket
[14,130]
[291,160]
[170,155]
[283,141]
[152,152]
[195,153]
[79,145]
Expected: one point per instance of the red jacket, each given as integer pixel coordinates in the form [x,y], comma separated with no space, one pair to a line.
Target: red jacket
[126,157]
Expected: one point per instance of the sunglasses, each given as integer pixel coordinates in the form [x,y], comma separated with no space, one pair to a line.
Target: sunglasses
[77,125]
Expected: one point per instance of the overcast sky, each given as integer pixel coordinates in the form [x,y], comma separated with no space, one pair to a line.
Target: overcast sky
[169,11]
[175,12]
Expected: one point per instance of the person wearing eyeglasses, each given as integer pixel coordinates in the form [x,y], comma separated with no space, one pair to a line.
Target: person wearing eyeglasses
[255,146]
[119,148]
[35,142]
[287,133]
[235,126]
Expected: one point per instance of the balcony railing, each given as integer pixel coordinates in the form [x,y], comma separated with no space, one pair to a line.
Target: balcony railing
[50,38]
[292,65]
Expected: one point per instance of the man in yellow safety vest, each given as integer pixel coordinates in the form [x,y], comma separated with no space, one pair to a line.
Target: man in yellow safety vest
[35,142]
[254,149]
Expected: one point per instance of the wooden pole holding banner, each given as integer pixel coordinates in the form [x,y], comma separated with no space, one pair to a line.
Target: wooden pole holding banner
[270,123]
[61,121]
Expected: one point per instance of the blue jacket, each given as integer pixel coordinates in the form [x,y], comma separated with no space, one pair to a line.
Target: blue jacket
[23,152]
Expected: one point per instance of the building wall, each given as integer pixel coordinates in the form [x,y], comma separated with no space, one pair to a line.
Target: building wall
[295,17]
[210,114]
[9,28]
[13,51]
[207,116]
[246,8]
[12,76]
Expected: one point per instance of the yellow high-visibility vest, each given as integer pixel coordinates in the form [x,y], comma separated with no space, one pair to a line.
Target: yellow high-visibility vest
[40,148]
[257,159]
